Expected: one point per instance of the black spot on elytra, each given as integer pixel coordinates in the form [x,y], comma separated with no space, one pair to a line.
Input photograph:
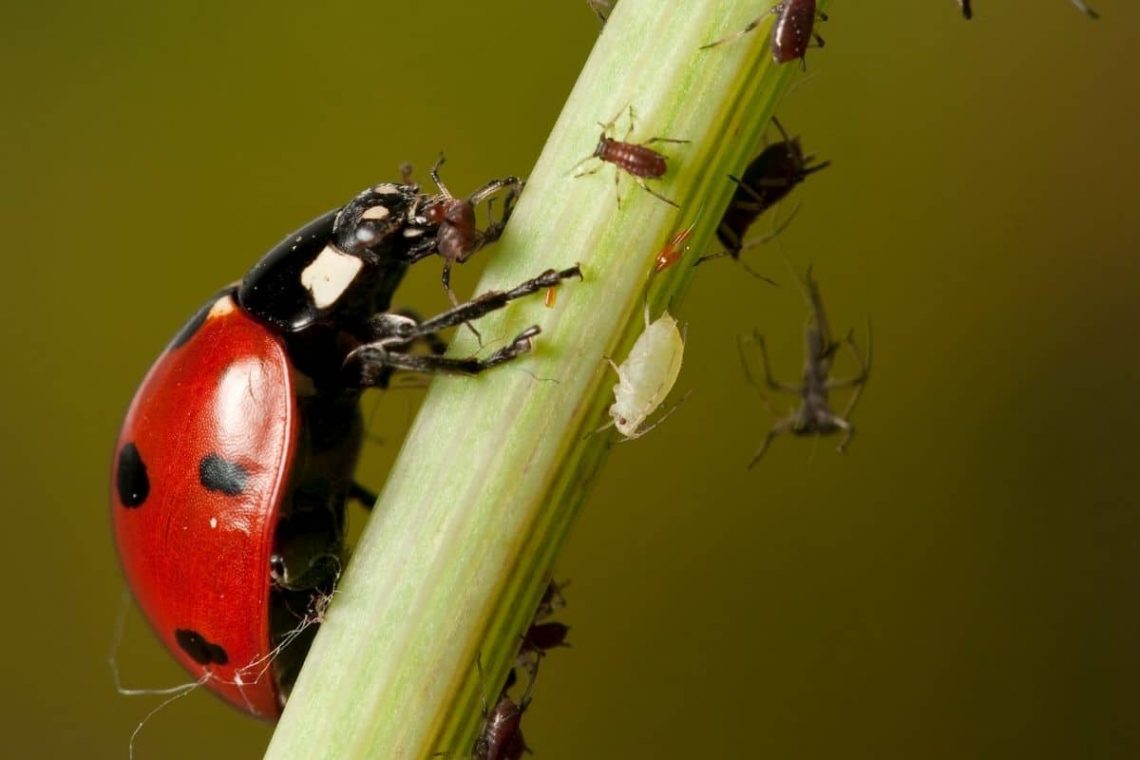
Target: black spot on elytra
[218,474]
[131,478]
[199,648]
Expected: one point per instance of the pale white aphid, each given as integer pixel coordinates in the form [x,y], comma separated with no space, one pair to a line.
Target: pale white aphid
[647,375]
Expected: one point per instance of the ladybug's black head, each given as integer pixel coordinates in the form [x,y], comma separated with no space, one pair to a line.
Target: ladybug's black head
[370,222]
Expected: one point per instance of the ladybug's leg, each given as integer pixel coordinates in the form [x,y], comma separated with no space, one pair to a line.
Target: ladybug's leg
[491,301]
[372,362]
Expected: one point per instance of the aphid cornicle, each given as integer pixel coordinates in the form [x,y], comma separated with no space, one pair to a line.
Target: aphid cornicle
[646,376]
[792,31]
[635,159]
[814,415]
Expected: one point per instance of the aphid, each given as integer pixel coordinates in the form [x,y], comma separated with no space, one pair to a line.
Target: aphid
[814,415]
[457,237]
[602,8]
[646,376]
[674,249]
[501,737]
[792,32]
[635,159]
[767,180]
[552,600]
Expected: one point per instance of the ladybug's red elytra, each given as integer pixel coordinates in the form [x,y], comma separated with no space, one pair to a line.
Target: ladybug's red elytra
[236,458]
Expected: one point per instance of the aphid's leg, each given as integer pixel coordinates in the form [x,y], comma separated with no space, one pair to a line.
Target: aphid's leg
[652,192]
[617,187]
[495,229]
[710,256]
[779,428]
[757,275]
[771,382]
[647,428]
[863,361]
[665,140]
[629,130]
[752,25]
[1085,9]
[859,385]
[780,128]
[773,233]
[434,174]
[848,433]
[445,278]
[967,12]
[574,169]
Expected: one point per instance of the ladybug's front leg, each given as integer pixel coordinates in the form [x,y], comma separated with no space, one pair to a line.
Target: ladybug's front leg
[373,362]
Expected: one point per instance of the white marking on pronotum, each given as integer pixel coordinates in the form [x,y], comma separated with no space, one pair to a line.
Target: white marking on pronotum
[329,276]
[647,375]
[386,188]
[376,212]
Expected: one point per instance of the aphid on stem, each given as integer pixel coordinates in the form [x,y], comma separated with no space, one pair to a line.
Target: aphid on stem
[458,237]
[814,415]
[602,8]
[635,159]
[673,250]
[646,376]
[792,31]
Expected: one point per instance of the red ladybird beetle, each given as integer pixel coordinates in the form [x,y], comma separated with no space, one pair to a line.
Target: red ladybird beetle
[235,460]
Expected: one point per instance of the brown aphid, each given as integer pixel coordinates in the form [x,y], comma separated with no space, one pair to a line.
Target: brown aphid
[458,237]
[552,600]
[602,8]
[792,32]
[501,737]
[635,159]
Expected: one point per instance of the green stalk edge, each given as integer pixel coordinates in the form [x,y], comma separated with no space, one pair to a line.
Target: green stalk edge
[491,476]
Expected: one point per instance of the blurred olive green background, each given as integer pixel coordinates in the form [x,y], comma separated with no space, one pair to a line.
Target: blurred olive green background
[962,584]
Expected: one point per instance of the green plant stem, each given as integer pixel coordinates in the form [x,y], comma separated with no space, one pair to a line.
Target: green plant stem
[490,478]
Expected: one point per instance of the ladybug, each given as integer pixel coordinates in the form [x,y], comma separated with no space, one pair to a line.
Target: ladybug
[235,460]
